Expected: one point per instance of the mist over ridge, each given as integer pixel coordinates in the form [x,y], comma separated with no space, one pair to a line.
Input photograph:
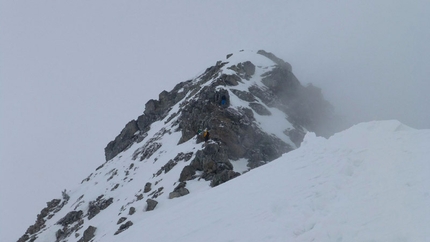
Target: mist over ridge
[74,73]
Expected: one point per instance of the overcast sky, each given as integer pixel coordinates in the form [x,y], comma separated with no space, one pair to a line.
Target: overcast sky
[73,73]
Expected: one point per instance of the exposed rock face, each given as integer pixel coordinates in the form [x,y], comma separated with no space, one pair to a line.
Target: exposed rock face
[122,141]
[244,70]
[52,207]
[155,110]
[213,160]
[187,173]
[281,63]
[233,130]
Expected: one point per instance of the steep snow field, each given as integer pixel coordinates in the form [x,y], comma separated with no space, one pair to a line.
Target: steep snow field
[367,183]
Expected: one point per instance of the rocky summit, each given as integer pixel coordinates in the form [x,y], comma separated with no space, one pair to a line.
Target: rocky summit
[239,114]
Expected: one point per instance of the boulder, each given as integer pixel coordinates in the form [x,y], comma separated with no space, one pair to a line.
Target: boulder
[120,220]
[123,227]
[147,187]
[151,204]
[60,234]
[131,211]
[179,191]
[88,234]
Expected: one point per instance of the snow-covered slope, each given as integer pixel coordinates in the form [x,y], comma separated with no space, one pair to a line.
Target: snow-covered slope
[368,183]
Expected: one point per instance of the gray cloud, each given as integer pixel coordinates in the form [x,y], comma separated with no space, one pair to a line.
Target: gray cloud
[73,73]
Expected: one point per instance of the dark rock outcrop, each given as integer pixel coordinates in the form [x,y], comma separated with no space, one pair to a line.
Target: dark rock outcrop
[277,60]
[147,187]
[127,136]
[260,109]
[179,191]
[244,70]
[172,163]
[94,207]
[131,211]
[71,217]
[120,220]
[296,135]
[155,110]
[51,208]
[245,96]
[123,227]
[157,192]
[151,204]
[233,130]
[60,234]
[224,176]
[88,234]
[72,223]
[187,173]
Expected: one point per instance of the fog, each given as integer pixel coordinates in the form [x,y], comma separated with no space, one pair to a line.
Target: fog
[72,74]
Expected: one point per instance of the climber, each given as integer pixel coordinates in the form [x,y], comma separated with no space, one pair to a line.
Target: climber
[223,100]
[206,135]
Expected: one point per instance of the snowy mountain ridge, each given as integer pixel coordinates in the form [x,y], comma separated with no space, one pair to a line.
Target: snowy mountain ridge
[156,183]
[255,110]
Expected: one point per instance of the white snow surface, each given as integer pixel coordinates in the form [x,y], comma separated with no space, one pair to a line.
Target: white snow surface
[367,183]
